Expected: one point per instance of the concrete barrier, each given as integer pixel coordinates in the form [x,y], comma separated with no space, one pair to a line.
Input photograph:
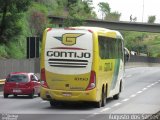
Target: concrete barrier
[141,64]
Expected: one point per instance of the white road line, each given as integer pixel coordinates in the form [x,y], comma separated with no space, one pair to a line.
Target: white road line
[144,89]
[134,95]
[117,104]
[1,95]
[105,109]
[156,82]
[125,100]
[92,115]
[139,92]
[149,86]
[152,84]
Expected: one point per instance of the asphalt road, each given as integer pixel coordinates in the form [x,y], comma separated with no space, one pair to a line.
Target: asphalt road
[139,99]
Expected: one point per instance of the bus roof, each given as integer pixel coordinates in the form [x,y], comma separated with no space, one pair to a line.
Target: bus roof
[99,29]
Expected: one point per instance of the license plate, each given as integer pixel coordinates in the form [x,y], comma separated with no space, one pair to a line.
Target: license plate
[67,94]
[17,91]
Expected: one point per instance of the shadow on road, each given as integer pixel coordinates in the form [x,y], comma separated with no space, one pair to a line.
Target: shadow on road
[76,105]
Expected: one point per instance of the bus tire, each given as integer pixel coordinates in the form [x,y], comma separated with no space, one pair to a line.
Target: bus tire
[103,98]
[116,97]
[54,103]
[102,101]
[98,104]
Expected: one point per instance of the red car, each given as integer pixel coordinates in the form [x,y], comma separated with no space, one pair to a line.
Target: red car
[21,83]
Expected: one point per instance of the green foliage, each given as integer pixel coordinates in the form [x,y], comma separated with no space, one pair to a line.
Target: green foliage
[11,12]
[24,18]
[113,16]
[151,19]
[13,51]
[3,52]
[76,14]
[154,46]
[104,8]
[37,17]
[73,21]
[142,42]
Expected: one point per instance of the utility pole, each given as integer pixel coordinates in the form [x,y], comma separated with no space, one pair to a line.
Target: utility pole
[142,10]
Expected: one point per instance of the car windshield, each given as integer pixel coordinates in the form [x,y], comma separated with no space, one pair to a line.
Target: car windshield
[17,78]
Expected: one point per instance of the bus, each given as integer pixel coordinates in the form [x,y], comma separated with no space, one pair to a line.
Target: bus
[81,64]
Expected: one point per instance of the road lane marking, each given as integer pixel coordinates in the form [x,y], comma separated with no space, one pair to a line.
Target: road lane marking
[134,95]
[117,104]
[149,86]
[125,100]
[92,115]
[105,109]
[139,92]
[156,82]
[144,89]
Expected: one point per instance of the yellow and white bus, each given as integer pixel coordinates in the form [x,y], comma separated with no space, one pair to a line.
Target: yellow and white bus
[81,64]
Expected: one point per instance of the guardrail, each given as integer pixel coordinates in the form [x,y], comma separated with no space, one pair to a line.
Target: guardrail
[1,84]
[2,81]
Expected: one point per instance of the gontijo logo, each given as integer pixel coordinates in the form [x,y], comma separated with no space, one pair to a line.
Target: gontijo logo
[69,38]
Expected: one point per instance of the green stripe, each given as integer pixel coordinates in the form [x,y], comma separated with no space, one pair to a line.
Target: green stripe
[115,74]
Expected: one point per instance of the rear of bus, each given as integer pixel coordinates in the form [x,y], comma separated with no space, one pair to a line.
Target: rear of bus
[66,65]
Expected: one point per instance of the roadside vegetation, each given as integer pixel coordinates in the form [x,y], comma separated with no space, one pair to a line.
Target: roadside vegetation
[22,18]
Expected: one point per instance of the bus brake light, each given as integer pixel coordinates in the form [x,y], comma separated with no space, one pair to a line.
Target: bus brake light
[43,78]
[92,82]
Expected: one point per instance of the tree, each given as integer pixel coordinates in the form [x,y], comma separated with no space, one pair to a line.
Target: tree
[37,22]
[113,16]
[10,12]
[151,19]
[104,8]
[78,12]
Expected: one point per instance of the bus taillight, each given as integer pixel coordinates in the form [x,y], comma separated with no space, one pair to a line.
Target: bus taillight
[43,78]
[92,82]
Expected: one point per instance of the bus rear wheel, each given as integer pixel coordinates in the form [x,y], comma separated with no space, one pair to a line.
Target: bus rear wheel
[102,101]
[98,104]
[116,97]
[55,103]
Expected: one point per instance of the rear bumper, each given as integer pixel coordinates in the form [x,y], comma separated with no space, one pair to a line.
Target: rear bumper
[23,91]
[60,95]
